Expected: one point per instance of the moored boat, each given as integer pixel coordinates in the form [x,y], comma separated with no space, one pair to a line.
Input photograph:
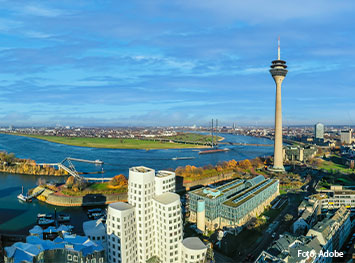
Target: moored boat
[63,218]
[213,151]
[39,215]
[45,221]
[183,158]
[23,197]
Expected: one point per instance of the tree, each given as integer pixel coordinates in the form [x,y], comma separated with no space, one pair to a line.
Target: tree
[118,180]
[232,164]
[70,182]
[245,164]
[288,217]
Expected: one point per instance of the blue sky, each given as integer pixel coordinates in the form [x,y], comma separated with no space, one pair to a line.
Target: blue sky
[175,62]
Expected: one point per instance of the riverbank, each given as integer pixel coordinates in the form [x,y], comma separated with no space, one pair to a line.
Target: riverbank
[80,193]
[10,164]
[187,141]
[58,199]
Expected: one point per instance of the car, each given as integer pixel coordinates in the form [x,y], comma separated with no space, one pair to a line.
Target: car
[273,235]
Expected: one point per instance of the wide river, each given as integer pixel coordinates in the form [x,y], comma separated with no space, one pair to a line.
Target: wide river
[17,217]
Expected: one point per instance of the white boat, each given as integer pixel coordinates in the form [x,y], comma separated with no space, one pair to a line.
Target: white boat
[21,197]
[44,221]
[39,215]
[183,158]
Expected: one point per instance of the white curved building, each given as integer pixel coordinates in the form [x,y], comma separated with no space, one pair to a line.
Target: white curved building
[164,182]
[121,233]
[140,194]
[193,250]
[168,226]
[150,225]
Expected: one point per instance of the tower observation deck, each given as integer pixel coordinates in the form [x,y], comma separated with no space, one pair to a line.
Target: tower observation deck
[278,72]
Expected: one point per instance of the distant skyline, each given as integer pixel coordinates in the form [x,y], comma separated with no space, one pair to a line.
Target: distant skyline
[161,63]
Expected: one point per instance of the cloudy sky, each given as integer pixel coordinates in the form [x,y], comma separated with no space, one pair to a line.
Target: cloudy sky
[83,62]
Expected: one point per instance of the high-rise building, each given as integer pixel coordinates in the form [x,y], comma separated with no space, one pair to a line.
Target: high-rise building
[319,131]
[346,136]
[149,227]
[121,233]
[278,72]
[168,226]
[140,195]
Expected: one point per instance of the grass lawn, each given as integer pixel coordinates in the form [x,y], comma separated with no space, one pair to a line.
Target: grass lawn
[329,166]
[193,137]
[113,143]
[337,173]
[334,164]
[95,188]
[98,187]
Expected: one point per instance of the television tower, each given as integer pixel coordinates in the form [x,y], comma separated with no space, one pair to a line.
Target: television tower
[278,72]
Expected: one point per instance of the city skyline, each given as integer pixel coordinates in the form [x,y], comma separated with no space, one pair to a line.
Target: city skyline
[176,63]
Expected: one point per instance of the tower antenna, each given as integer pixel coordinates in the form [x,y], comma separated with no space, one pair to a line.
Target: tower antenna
[278,49]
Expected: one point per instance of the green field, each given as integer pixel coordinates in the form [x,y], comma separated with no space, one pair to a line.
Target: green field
[120,143]
[95,188]
[194,137]
[334,165]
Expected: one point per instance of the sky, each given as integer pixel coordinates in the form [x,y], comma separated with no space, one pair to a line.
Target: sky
[161,63]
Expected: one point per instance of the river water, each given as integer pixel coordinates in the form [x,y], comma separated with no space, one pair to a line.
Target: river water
[17,217]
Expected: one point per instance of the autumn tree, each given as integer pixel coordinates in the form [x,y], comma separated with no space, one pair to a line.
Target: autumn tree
[245,164]
[70,182]
[119,180]
[232,164]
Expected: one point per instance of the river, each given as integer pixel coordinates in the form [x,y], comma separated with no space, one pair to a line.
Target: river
[16,217]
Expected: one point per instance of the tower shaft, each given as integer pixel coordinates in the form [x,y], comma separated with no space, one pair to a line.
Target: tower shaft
[278,156]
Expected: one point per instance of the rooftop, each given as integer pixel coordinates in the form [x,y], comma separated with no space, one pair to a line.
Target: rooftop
[121,206]
[249,193]
[193,243]
[325,227]
[210,192]
[141,169]
[164,173]
[285,249]
[94,227]
[167,198]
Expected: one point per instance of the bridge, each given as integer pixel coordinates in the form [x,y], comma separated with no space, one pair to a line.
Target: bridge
[70,168]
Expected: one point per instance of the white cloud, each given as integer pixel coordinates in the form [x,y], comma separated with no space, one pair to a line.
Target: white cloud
[36,34]
[37,10]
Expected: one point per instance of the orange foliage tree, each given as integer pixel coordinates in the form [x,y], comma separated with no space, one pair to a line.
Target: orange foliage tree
[245,164]
[70,182]
[119,180]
